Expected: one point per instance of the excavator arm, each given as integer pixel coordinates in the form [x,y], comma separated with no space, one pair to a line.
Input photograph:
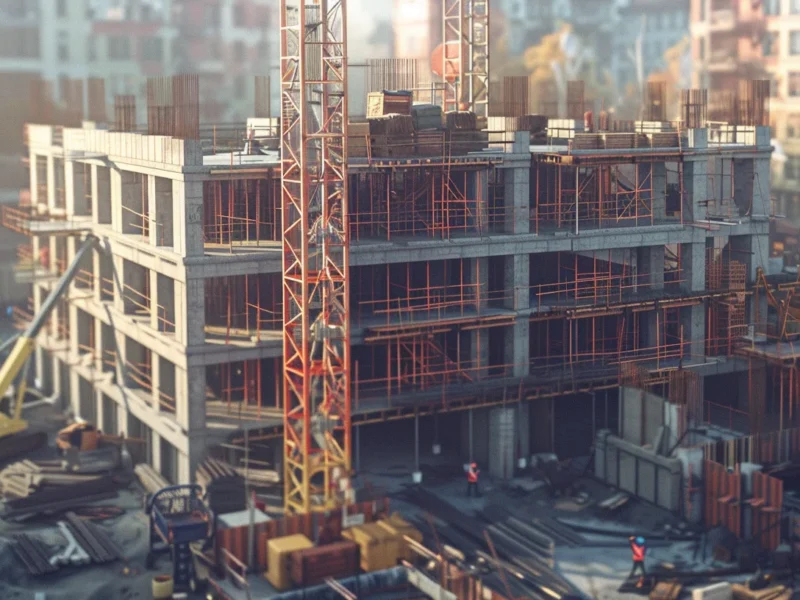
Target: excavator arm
[17,360]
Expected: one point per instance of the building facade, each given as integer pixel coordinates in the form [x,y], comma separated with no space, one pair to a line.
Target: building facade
[492,302]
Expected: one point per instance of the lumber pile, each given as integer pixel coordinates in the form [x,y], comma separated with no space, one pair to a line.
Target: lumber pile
[36,487]
[223,486]
[151,480]
[259,477]
[391,135]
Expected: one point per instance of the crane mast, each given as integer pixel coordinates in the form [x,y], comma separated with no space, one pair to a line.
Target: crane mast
[316,330]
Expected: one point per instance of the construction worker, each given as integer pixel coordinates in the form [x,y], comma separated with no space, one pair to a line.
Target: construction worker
[472,479]
[638,549]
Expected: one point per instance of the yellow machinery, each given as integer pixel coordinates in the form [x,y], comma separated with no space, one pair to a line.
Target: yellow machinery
[15,438]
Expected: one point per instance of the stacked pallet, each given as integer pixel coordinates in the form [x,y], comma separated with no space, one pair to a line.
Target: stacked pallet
[224,487]
[618,141]
[460,120]
[388,103]
[664,140]
[391,135]
[314,565]
[151,480]
[33,487]
[587,141]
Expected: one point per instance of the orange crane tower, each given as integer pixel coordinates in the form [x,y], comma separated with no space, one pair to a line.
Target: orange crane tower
[465,55]
[316,323]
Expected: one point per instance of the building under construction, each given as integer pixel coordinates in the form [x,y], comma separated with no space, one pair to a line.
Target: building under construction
[501,270]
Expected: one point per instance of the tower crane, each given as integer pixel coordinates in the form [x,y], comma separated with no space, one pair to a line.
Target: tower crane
[316,322]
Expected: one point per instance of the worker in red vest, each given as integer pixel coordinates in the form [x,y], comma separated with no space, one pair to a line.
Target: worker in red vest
[638,549]
[472,479]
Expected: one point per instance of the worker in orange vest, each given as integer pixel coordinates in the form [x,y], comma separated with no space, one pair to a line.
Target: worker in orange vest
[472,479]
[638,549]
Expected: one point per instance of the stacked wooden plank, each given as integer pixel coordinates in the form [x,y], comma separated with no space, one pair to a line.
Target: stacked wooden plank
[259,477]
[667,139]
[391,135]
[618,141]
[313,566]
[223,486]
[587,141]
[151,480]
[28,486]
[460,120]
[96,542]
[33,553]
[357,139]
[387,103]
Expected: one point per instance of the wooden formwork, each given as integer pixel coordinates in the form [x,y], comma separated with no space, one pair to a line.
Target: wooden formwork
[767,504]
[723,497]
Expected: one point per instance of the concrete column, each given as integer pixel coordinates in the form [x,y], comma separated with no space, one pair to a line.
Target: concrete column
[479,338]
[155,449]
[502,437]
[693,323]
[650,261]
[70,188]
[517,282]
[115,188]
[659,174]
[518,187]
[33,178]
[95,200]
[98,275]
[482,201]
[190,312]
[98,345]
[191,415]
[155,378]
[118,278]
[187,203]
[151,209]
[693,266]
[517,350]
[73,331]
[100,411]
[51,183]
[154,312]
[695,176]
[761,174]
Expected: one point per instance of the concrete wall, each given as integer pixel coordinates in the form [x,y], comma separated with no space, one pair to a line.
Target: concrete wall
[638,471]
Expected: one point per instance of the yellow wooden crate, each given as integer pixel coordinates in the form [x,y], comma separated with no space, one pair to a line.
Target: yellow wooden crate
[278,565]
[380,549]
[398,526]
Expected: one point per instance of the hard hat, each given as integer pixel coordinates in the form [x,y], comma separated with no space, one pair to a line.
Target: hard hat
[639,541]
[474,465]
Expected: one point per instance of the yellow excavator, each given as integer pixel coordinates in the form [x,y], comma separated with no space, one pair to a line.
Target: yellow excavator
[15,435]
